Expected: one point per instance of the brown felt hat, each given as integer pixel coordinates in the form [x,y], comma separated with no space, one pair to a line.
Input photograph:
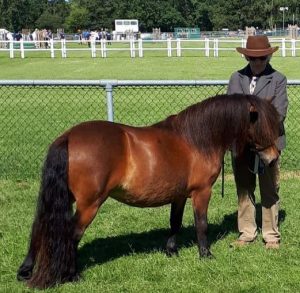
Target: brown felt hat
[257,46]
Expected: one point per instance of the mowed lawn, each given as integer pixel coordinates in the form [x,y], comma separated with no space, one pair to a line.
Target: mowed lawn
[118,65]
[123,249]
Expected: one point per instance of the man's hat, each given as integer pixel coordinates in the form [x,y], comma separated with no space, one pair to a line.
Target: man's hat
[257,46]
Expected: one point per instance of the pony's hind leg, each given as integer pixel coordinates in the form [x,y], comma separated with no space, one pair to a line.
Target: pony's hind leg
[177,209]
[25,270]
[85,214]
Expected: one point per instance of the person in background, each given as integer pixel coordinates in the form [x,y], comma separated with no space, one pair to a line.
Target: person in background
[18,36]
[108,37]
[261,79]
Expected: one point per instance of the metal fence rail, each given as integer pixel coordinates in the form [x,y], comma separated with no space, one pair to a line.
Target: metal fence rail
[33,113]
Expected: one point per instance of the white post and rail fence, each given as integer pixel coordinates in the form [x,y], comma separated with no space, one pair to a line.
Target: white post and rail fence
[207,47]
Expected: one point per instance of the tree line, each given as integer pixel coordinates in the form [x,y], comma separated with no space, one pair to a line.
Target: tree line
[208,15]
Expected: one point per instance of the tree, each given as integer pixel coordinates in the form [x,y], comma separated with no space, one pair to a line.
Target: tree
[16,14]
[166,14]
[49,21]
[78,18]
[5,17]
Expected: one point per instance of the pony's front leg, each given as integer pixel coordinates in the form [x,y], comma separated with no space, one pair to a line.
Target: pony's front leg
[177,208]
[200,201]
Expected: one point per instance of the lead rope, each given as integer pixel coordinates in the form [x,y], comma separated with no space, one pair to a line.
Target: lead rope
[223,177]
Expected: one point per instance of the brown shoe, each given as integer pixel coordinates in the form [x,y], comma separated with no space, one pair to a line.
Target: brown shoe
[272,245]
[239,243]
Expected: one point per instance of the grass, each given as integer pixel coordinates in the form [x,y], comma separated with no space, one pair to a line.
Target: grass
[122,251]
[120,66]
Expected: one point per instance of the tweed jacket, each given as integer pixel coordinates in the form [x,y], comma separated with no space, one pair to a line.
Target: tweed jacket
[271,85]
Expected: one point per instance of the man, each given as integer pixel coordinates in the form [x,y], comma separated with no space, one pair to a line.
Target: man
[259,78]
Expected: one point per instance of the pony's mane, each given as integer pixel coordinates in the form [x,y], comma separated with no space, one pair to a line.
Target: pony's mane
[219,121]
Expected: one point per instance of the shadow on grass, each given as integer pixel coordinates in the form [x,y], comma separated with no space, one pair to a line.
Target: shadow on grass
[102,250]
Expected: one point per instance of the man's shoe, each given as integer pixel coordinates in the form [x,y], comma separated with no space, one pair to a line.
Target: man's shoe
[239,243]
[272,245]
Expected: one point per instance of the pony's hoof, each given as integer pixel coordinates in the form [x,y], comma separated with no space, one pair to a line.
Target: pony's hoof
[205,253]
[171,247]
[210,256]
[74,278]
[172,252]
[24,274]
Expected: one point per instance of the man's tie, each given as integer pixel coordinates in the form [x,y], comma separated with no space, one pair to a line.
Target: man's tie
[253,84]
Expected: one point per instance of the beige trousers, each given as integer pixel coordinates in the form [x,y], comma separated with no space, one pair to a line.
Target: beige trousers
[269,187]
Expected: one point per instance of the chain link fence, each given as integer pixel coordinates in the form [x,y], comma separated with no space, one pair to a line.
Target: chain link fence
[33,113]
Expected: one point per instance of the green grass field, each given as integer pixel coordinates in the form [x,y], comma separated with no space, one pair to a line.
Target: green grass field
[118,65]
[122,251]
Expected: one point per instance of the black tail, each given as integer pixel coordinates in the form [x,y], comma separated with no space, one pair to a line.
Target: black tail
[52,252]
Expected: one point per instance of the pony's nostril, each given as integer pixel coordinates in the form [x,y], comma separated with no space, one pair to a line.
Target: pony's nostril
[272,163]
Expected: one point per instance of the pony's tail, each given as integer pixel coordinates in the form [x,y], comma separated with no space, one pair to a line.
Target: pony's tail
[52,237]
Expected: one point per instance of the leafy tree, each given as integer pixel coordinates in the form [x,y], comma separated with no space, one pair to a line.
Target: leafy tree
[78,18]
[166,14]
[49,21]
[5,17]
[16,14]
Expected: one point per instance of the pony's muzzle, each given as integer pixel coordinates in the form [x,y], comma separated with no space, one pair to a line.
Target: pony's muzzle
[272,164]
[269,155]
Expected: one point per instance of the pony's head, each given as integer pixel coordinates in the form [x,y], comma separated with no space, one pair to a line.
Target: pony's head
[263,129]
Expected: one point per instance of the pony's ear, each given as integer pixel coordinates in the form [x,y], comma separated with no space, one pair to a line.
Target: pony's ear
[253,114]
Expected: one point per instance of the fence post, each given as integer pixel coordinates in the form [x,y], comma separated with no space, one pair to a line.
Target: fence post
[178,47]
[206,47]
[52,48]
[63,48]
[216,48]
[132,48]
[93,48]
[141,54]
[244,43]
[293,45]
[110,102]
[104,48]
[11,49]
[283,53]
[169,45]
[22,48]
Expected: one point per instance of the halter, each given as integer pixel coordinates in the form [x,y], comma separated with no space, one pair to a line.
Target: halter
[259,165]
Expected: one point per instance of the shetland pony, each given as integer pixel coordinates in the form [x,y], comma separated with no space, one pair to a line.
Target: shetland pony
[166,163]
